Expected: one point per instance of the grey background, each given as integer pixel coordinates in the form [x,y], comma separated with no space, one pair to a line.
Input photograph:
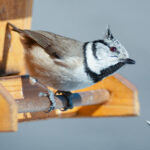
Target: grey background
[86,20]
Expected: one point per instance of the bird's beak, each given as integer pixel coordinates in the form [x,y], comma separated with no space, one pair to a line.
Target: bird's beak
[129,61]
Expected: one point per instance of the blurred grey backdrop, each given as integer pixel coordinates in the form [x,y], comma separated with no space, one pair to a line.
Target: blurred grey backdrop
[86,20]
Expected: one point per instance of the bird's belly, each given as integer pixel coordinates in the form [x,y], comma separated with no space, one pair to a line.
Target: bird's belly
[64,85]
[61,81]
[58,77]
[64,81]
[71,86]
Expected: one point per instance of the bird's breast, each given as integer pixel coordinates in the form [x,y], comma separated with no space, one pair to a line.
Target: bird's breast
[67,77]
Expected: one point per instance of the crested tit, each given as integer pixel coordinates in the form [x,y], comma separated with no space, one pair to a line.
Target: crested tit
[67,64]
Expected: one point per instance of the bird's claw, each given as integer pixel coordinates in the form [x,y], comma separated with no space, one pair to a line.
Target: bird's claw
[51,98]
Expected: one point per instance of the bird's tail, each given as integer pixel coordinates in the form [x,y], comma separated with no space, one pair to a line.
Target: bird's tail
[14,28]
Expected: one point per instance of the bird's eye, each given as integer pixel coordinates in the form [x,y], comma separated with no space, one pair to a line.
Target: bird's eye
[113,49]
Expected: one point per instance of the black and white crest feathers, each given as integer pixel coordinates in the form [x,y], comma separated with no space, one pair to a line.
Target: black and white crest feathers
[108,33]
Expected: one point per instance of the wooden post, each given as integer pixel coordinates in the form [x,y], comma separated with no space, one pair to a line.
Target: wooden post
[18,12]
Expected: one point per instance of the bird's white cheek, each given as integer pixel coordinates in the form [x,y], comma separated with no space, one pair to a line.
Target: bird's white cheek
[92,63]
[97,65]
[103,61]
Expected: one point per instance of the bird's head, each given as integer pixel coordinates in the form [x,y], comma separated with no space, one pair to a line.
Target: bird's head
[105,56]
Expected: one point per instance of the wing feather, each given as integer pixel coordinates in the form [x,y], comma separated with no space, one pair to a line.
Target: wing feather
[50,42]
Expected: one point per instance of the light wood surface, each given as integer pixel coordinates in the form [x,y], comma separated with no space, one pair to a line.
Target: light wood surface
[18,12]
[8,111]
[123,99]
[27,96]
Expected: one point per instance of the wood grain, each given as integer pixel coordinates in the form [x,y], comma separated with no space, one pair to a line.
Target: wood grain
[123,100]
[8,111]
[18,12]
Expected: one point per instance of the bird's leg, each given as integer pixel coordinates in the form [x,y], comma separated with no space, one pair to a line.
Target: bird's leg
[49,93]
[66,95]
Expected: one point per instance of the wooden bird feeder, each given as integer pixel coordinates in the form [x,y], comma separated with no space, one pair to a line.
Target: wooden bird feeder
[20,100]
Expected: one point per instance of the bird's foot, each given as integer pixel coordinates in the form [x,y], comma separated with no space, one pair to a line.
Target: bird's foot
[48,94]
[51,98]
[67,96]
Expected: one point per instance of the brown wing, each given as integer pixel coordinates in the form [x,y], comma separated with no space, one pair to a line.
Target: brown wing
[53,44]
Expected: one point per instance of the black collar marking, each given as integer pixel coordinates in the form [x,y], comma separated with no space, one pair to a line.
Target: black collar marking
[94,46]
[105,72]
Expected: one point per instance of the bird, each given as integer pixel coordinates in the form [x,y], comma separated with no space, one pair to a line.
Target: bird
[66,64]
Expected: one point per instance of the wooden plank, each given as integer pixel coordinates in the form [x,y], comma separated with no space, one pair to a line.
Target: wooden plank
[123,99]
[8,111]
[28,99]
[18,12]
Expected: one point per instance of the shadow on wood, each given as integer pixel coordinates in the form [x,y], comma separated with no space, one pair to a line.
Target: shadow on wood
[11,54]
[10,9]
[122,99]
[7,41]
